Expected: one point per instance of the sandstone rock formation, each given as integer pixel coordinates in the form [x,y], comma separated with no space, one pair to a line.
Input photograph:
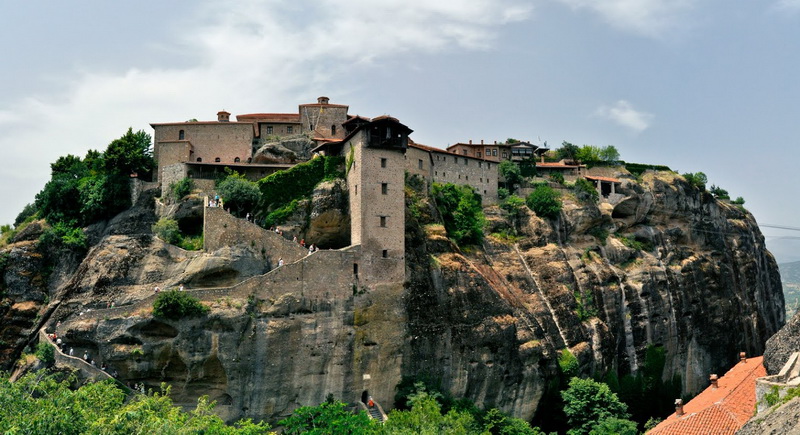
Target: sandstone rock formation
[677,269]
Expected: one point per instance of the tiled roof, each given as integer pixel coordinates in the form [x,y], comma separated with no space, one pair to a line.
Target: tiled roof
[427,148]
[325,105]
[557,165]
[721,410]
[608,179]
[267,117]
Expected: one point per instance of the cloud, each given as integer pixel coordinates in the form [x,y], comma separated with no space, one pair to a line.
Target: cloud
[623,113]
[791,5]
[262,55]
[652,18]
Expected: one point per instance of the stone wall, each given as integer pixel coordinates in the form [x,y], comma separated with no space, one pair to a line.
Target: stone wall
[171,174]
[209,141]
[418,162]
[221,229]
[171,152]
[322,117]
[480,174]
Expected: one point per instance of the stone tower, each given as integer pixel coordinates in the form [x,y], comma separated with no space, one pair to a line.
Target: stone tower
[375,160]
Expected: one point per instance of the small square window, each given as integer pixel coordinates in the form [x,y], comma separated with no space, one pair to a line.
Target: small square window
[494,152]
[383,221]
[385,253]
[269,129]
[488,151]
[385,188]
[466,162]
[420,163]
[505,155]
[467,176]
[289,129]
[383,162]
[479,156]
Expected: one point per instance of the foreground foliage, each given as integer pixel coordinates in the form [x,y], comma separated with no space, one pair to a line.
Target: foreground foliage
[544,201]
[41,403]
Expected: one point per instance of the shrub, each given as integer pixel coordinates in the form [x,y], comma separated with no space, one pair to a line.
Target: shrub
[511,173]
[639,168]
[502,193]
[587,403]
[281,214]
[192,243]
[696,179]
[181,188]
[585,191]
[174,305]
[167,229]
[460,207]
[718,192]
[45,353]
[544,201]
[296,182]
[738,201]
[567,364]
[600,233]
[27,212]
[64,235]
[557,177]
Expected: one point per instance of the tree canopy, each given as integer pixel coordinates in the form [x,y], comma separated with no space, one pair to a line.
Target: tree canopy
[460,207]
[587,403]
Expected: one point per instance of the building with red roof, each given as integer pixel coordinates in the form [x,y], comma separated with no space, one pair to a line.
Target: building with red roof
[722,408]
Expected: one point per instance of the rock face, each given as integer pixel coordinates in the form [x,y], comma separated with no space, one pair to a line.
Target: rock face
[667,266]
[782,420]
[781,345]
[287,150]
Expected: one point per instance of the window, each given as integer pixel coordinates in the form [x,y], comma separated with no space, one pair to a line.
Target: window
[481,179]
[479,156]
[289,129]
[199,159]
[464,152]
[436,173]
[480,164]
[356,189]
[385,188]
[237,160]
[466,162]
[383,162]
[488,151]
[383,221]
[355,269]
[217,160]
[467,177]
[269,129]
[385,253]
[420,163]
[181,135]
[505,155]
[333,130]
[311,127]
[494,152]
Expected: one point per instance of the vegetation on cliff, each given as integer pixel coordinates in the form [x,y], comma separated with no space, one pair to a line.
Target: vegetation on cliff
[461,211]
[41,403]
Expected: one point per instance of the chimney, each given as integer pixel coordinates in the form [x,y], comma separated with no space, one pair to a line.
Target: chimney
[714,378]
[223,116]
[742,356]
[678,407]
[470,141]
[481,141]
[495,142]
[323,100]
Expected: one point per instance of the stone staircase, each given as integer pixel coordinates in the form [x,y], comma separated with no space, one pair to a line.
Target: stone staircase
[375,412]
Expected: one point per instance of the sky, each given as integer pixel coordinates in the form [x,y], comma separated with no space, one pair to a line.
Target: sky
[697,85]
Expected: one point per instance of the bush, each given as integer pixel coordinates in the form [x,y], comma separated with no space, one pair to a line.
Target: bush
[192,243]
[167,229]
[639,168]
[568,364]
[27,212]
[63,235]
[510,173]
[181,188]
[174,305]
[296,182]
[585,191]
[281,214]
[738,201]
[45,353]
[545,202]
[557,177]
[696,179]
[460,207]
[502,193]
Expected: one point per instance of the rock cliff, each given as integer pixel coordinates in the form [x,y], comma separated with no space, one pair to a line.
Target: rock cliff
[666,266]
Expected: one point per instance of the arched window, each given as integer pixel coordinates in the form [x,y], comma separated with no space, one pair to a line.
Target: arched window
[181,135]
[199,159]
[333,130]
[217,160]
[237,160]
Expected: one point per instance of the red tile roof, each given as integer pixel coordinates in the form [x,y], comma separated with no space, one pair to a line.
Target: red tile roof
[269,117]
[721,410]
[608,179]
[557,165]
[427,148]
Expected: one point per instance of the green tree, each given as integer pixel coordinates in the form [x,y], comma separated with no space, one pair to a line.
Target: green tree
[609,154]
[240,194]
[544,201]
[513,205]
[425,417]
[175,305]
[131,153]
[588,402]
[567,151]
[511,173]
[696,179]
[45,353]
[167,229]
[616,426]
[588,154]
[330,417]
[182,188]
[461,211]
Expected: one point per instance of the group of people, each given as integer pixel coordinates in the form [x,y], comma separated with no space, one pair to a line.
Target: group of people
[157,290]
[216,202]
[62,346]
